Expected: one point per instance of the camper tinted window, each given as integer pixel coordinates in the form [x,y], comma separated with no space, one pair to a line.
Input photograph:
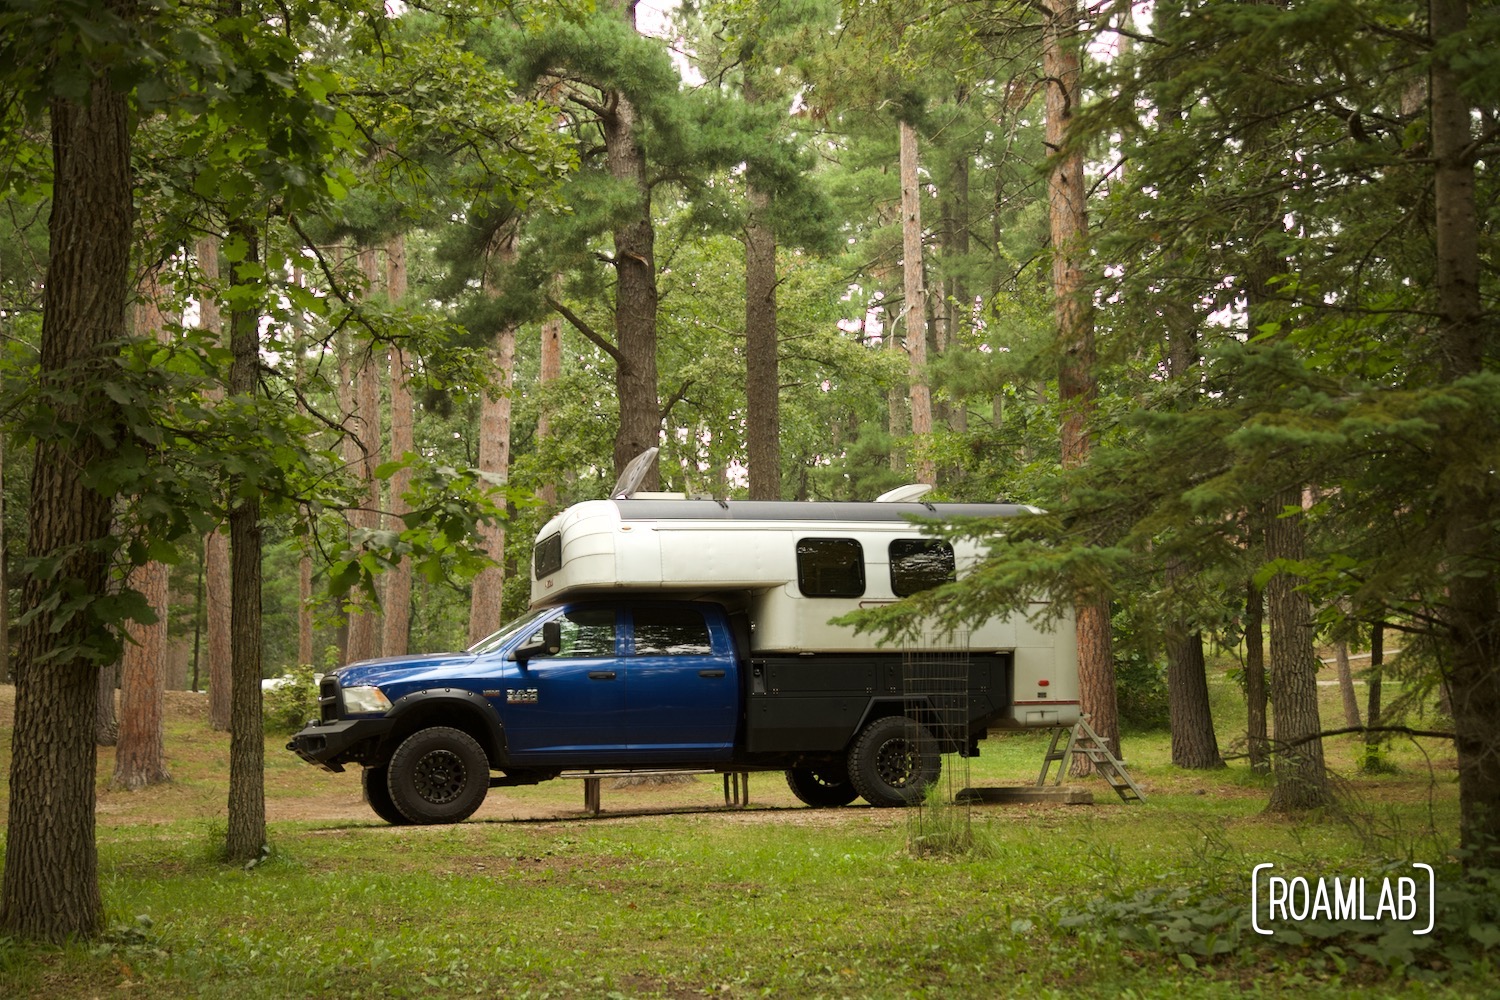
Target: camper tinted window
[671,632]
[548,556]
[830,567]
[919,564]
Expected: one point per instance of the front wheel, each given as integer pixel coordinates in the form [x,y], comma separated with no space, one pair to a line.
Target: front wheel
[893,761]
[822,786]
[438,775]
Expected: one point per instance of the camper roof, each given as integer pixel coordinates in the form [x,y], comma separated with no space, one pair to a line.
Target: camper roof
[791,510]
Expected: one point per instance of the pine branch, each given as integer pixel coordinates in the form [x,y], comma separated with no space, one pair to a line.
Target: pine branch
[578,324]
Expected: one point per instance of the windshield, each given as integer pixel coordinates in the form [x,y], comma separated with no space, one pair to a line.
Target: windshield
[501,638]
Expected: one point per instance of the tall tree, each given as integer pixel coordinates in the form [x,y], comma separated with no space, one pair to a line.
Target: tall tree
[216,589]
[485,613]
[914,282]
[140,751]
[51,888]
[397,600]
[1067,200]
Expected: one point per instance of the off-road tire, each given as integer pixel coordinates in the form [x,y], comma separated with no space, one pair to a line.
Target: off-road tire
[893,761]
[438,775]
[821,787]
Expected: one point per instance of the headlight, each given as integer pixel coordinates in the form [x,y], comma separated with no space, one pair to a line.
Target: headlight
[366,701]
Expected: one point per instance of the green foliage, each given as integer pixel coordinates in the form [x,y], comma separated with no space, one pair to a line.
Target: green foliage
[291,700]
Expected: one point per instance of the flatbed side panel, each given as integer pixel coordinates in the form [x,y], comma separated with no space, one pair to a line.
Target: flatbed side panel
[815,704]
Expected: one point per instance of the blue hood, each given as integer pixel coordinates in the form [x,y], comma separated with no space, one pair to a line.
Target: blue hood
[402,669]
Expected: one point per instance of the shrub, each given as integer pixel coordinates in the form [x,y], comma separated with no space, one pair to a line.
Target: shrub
[291,699]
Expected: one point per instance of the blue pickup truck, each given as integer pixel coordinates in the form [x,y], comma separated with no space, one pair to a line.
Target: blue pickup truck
[679,634]
[632,684]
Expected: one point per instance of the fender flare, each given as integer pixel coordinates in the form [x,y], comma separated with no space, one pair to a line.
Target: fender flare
[457,707]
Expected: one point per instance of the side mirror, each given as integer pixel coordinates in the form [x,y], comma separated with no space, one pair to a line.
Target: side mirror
[547,642]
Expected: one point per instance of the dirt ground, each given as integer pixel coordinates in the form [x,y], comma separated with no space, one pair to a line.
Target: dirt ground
[197,758]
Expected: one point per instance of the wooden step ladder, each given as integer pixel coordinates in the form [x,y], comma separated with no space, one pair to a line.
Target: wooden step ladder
[1082,739]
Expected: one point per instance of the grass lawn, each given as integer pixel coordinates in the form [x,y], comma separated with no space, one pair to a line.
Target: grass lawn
[670,894]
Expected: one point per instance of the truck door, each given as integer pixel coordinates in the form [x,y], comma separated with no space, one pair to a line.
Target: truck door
[572,703]
[682,696]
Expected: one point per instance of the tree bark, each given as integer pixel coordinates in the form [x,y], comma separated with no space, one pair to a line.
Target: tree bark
[1371,760]
[51,887]
[106,722]
[1346,684]
[486,609]
[549,371]
[1465,342]
[635,285]
[4,578]
[246,834]
[140,750]
[1255,680]
[1194,744]
[915,285]
[216,596]
[762,347]
[397,611]
[1068,221]
[363,454]
[1301,781]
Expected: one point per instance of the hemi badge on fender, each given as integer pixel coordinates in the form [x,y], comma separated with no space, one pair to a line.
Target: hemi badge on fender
[492,693]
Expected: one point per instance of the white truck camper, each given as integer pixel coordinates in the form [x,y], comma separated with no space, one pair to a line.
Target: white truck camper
[783,569]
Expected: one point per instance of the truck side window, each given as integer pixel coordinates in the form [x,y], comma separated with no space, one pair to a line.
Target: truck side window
[671,632]
[830,567]
[588,632]
[919,564]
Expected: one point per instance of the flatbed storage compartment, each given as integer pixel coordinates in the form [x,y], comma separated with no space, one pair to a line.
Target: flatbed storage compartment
[814,704]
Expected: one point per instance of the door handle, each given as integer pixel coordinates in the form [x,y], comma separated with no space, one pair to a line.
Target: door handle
[601,675]
[710,673]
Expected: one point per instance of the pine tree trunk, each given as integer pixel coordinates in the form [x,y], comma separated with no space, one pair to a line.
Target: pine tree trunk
[1301,781]
[246,833]
[486,605]
[364,455]
[4,578]
[549,371]
[957,304]
[106,723]
[305,654]
[916,304]
[1346,684]
[762,361]
[1371,760]
[1465,345]
[216,595]
[140,751]
[397,609]
[50,889]
[1255,681]
[1194,744]
[635,286]
[1068,218]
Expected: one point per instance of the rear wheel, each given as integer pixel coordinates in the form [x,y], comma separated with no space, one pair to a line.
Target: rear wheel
[378,795]
[828,785]
[438,775]
[893,761]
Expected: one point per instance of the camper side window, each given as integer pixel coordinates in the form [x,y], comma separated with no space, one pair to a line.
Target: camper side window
[830,567]
[919,564]
[547,559]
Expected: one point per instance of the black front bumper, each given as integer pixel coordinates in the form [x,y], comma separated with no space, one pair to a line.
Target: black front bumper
[330,745]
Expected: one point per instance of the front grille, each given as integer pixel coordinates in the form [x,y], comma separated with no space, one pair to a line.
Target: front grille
[328,699]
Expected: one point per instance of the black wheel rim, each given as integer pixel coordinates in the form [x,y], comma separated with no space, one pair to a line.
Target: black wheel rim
[894,763]
[439,777]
